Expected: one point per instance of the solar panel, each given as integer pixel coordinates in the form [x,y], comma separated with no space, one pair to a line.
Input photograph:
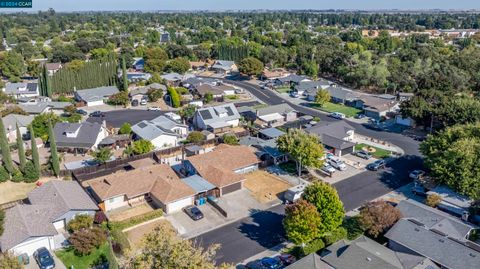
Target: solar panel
[206,114]
[142,125]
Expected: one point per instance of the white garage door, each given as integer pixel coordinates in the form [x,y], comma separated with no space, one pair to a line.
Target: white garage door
[178,205]
[60,224]
[32,245]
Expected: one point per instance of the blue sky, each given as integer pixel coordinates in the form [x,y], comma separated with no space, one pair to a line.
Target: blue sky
[79,5]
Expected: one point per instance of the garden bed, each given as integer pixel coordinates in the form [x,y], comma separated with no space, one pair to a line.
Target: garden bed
[378,153]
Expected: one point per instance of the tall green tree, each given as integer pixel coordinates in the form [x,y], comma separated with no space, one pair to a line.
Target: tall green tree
[301,222]
[12,66]
[304,148]
[33,146]
[251,66]
[124,75]
[325,198]
[6,155]
[21,150]
[322,97]
[54,159]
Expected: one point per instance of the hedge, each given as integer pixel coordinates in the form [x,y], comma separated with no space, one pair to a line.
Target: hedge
[353,227]
[313,246]
[120,241]
[335,236]
[122,225]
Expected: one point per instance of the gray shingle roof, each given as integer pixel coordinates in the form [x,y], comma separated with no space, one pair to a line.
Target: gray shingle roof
[41,106]
[213,115]
[335,129]
[96,94]
[441,249]
[86,137]
[342,93]
[292,78]
[172,77]
[434,219]
[10,121]
[280,109]
[272,132]
[312,85]
[225,65]
[311,261]
[161,125]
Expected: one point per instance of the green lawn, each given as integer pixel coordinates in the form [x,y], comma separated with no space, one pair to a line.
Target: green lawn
[283,89]
[331,107]
[68,257]
[379,153]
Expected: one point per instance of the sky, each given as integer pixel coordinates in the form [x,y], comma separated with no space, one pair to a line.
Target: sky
[145,5]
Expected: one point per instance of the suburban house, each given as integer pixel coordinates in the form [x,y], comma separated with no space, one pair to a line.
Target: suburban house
[335,136]
[53,68]
[155,183]
[343,96]
[270,133]
[376,107]
[138,76]
[192,82]
[200,65]
[276,115]
[41,222]
[363,252]
[162,131]
[141,92]
[310,88]
[138,64]
[10,123]
[22,89]
[413,237]
[217,119]
[266,150]
[79,137]
[224,67]
[452,202]
[164,37]
[173,79]
[272,74]
[404,96]
[218,91]
[223,167]
[292,79]
[36,107]
[95,96]
[311,261]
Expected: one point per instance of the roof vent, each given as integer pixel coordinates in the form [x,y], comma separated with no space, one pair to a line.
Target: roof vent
[106,181]
[441,240]
[472,255]
[369,259]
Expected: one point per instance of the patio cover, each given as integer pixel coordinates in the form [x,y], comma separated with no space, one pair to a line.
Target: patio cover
[271,117]
[198,183]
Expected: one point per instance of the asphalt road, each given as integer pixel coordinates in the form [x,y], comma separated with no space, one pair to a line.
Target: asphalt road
[263,230]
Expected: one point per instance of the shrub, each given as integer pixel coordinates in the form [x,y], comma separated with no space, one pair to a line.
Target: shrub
[195,137]
[337,235]
[99,217]
[17,176]
[120,241]
[121,225]
[175,97]
[379,216]
[230,139]
[2,220]
[85,240]
[353,227]
[154,94]
[30,173]
[80,222]
[126,128]
[433,200]
[313,246]
[3,174]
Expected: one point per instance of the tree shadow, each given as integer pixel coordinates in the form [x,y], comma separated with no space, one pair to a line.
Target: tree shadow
[265,228]
[397,173]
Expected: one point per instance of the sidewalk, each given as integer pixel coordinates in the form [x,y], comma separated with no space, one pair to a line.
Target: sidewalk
[377,143]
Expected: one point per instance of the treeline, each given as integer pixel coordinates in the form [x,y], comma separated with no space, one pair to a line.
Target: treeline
[91,75]
[232,52]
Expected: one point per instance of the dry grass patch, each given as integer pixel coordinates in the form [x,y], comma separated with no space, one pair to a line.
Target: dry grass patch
[265,187]
[136,235]
[12,191]
[124,214]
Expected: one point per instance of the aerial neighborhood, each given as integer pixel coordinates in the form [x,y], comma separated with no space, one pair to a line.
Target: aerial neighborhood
[258,139]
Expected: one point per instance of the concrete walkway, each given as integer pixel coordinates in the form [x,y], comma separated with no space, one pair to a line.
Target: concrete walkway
[377,143]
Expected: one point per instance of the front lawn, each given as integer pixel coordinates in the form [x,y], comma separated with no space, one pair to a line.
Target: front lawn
[331,107]
[68,257]
[283,89]
[379,153]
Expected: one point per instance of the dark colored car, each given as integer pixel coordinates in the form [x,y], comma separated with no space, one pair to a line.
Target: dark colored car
[135,103]
[193,212]
[287,259]
[272,263]
[378,164]
[97,114]
[255,265]
[82,112]
[44,258]
[363,154]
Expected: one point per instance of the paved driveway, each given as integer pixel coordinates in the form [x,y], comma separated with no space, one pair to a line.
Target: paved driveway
[33,264]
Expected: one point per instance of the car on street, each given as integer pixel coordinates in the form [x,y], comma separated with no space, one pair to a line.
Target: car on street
[82,112]
[337,115]
[44,258]
[417,174]
[363,154]
[255,265]
[272,263]
[154,108]
[337,164]
[376,165]
[193,212]
[97,114]
[328,169]
[287,259]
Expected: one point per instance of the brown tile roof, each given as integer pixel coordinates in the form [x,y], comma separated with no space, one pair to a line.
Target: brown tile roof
[218,166]
[377,103]
[158,180]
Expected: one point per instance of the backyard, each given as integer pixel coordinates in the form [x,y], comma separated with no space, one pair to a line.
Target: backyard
[332,107]
[264,186]
[68,257]
[376,152]
[136,234]
[12,191]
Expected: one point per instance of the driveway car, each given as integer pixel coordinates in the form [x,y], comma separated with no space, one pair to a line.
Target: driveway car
[44,258]
[97,114]
[376,165]
[337,115]
[417,174]
[337,164]
[328,169]
[272,263]
[363,154]
[154,108]
[294,94]
[135,103]
[193,212]
[143,102]
[82,112]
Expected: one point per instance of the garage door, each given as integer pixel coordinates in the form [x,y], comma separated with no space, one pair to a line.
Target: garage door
[178,205]
[59,224]
[232,188]
[347,151]
[31,246]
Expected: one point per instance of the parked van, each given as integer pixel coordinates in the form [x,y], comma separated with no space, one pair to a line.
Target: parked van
[294,193]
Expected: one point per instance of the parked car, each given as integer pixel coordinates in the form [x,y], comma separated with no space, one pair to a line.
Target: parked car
[97,114]
[337,115]
[337,164]
[143,102]
[328,169]
[135,103]
[287,259]
[417,174]
[193,212]
[294,94]
[360,116]
[294,193]
[272,263]
[154,108]
[329,156]
[44,258]
[82,112]
[255,265]
[419,189]
[363,154]
[376,165]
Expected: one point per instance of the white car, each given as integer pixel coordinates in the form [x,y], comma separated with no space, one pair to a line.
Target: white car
[154,108]
[143,102]
[337,115]
[337,164]
[328,169]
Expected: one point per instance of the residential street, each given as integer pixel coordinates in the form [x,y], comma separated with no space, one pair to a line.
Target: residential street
[263,230]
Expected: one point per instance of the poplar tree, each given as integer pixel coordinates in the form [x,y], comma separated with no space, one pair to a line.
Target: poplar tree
[7,157]
[21,151]
[124,75]
[35,156]
[54,161]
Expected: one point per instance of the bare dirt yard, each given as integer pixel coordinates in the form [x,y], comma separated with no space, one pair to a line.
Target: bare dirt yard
[12,191]
[126,213]
[265,187]
[136,234]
